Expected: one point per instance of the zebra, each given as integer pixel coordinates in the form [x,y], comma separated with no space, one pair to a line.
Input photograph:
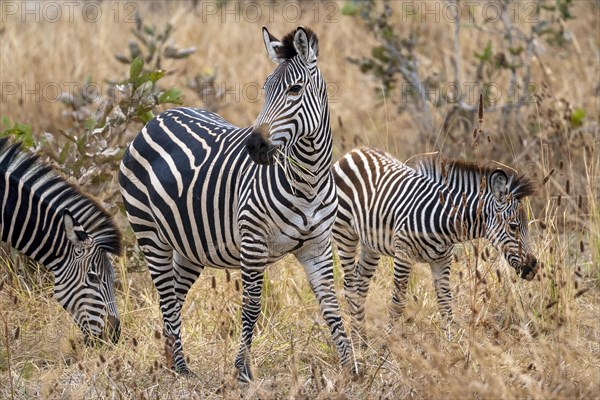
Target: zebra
[200,192]
[417,215]
[52,222]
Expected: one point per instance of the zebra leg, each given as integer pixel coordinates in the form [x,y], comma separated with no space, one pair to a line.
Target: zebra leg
[252,282]
[402,267]
[317,260]
[347,254]
[363,272]
[162,265]
[440,270]
[186,274]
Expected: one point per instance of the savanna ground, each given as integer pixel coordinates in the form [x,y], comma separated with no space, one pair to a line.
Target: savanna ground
[511,339]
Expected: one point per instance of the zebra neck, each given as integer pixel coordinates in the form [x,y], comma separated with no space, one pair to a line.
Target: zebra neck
[308,163]
[468,218]
[39,239]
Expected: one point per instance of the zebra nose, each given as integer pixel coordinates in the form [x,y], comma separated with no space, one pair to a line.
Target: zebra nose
[259,147]
[530,268]
[112,329]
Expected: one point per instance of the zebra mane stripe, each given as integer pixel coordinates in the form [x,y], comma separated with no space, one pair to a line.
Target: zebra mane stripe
[94,219]
[287,51]
[519,186]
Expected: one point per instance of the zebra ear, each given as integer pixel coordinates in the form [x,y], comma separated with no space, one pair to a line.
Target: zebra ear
[305,48]
[271,44]
[498,184]
[75,232]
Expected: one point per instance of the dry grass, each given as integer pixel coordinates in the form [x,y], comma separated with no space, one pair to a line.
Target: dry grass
[512,338]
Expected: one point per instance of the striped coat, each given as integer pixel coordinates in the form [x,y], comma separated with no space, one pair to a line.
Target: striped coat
[51,221]
[201,192]
[417,214]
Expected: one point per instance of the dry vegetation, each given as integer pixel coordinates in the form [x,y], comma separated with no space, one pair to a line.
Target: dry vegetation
[511,338]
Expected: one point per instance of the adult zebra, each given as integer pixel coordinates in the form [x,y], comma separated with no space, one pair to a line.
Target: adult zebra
[51,221]
[417,215]
[200,192]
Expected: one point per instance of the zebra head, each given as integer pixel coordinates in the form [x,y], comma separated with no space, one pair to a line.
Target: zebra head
[507,225]
[84,284]
[295,96]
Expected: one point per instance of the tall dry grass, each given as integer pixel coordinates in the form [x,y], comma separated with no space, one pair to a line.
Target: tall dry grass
[511,338]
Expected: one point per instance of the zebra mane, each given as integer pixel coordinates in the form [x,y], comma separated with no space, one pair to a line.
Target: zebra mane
[442,170]
[287,51]
[94,219]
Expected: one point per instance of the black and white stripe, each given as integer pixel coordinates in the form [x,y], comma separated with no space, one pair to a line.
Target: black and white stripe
[200,192]
[51,221]
[417,215]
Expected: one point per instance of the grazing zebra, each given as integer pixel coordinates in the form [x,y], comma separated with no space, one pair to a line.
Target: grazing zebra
[200,192]
[49,220]
[417,215]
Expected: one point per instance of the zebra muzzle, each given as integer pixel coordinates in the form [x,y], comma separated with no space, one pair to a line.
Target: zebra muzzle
[112,329]
[110,334]
[260,148]
[530,268]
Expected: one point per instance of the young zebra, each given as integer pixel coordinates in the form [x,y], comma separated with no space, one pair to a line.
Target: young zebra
[417,215]
[49,220]
[200,192]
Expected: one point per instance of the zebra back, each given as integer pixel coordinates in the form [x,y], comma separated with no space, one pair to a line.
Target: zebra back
[448,172]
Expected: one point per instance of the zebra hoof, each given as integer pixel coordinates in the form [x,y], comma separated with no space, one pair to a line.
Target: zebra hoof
[359,338]
[185,372]
[356,372]
[245,375]
[360,341]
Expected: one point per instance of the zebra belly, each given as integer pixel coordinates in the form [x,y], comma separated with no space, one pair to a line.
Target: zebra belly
[378,240]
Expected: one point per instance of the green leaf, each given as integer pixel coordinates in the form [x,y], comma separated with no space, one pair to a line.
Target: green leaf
[564,8]
[172,95]
[349,9]
[90,123]
[145,115]
[20,132]
[515,51]
[27,370]
[388,33]
[62,157]
[81,144]
[577,117]
[154,76]
[487,53]
[149,30]
[137,65]
[379,53]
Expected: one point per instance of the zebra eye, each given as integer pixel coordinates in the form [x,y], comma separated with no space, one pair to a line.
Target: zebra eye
[513,226]
[93,277]
[294,89]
